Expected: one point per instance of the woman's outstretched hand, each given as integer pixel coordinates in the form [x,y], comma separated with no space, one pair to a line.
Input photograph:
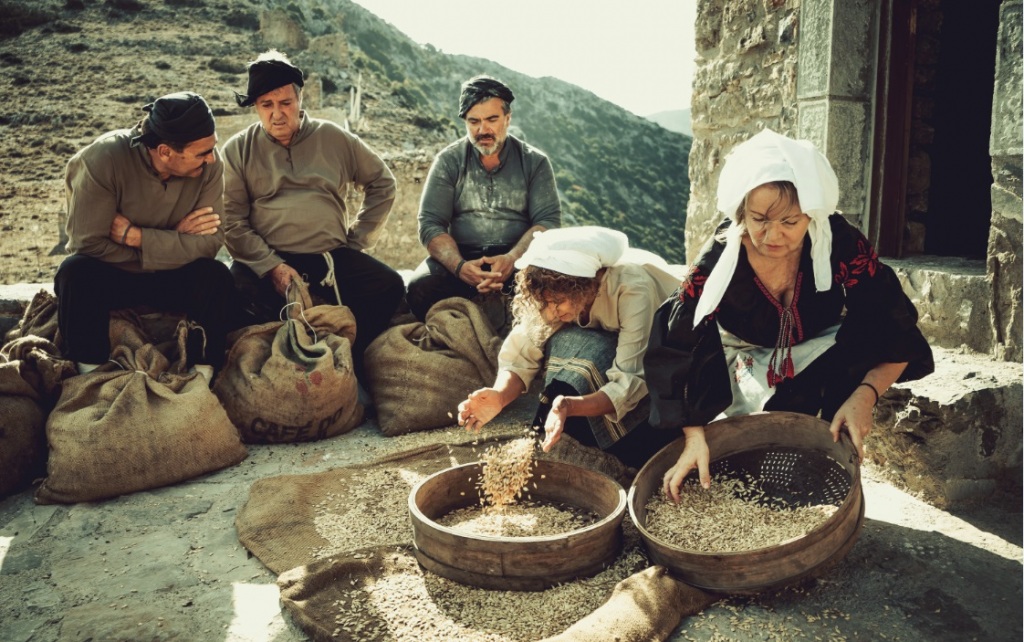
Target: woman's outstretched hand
[695,455]
[479,408]
[555,422]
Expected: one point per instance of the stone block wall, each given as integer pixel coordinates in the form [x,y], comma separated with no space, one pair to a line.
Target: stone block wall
[745,81]
[1005,243]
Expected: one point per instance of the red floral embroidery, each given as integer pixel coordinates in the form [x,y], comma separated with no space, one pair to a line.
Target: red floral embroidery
[864,263]
[692,285]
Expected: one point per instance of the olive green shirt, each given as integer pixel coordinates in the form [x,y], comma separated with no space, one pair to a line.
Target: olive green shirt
[109,177]
[292,199]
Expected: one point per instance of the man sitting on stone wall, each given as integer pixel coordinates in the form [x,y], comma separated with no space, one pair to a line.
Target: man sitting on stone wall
[284,191]
[485,197]
[143,229]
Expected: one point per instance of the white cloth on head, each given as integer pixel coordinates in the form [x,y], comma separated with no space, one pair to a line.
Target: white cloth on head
[764,158]
[576,251]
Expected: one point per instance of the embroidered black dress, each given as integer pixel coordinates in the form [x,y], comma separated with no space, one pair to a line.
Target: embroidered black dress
[685,367]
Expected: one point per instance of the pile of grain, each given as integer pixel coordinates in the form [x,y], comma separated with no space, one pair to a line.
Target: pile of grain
[507,470]
[730,517]
[524,519]
[411,604]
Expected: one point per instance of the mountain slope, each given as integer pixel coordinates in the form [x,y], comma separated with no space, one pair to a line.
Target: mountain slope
[73,69]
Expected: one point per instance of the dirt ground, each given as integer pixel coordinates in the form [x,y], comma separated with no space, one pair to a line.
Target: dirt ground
[166,564]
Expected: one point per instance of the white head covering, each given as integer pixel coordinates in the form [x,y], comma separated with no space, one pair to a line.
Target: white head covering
[764,158]
[576,251]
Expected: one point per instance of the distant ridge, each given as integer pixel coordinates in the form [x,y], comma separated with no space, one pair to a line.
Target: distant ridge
[674,120]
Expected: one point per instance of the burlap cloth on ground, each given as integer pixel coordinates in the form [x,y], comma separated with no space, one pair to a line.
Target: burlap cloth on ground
[419,372]
[340,540]
[293,381]
[137,422]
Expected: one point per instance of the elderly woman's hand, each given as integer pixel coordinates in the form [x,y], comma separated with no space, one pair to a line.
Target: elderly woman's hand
[480,407]
[695,455]
[856,414]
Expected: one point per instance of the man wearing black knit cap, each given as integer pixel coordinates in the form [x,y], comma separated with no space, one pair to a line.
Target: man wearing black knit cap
[285,182]
[485,197]
[143,223]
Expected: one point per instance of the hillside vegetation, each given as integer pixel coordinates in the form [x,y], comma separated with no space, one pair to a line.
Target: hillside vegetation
[73,69]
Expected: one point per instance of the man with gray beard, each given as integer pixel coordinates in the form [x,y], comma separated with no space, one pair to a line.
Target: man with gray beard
[486,195]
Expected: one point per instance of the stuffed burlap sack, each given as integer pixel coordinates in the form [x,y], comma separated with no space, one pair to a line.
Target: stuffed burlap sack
[293,381]
[419,372]
[137,423]
[31,374]
[39,319]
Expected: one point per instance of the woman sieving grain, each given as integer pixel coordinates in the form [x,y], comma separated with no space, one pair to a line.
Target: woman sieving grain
[583,309]
[787,307]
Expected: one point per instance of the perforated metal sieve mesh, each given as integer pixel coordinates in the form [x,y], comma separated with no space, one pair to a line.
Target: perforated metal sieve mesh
[798,477]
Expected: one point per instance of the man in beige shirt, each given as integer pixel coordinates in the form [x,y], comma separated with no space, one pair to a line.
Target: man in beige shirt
[144,227]
[285,179]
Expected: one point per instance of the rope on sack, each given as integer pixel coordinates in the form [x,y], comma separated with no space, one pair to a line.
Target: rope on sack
[283,314]
[329,280]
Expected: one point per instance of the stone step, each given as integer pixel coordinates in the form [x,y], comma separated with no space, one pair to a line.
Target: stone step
[954,437]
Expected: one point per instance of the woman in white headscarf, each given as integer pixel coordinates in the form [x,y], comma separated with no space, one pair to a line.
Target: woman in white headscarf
[583,309]
[786,308]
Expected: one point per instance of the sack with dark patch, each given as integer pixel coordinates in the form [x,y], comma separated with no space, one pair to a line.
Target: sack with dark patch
[31,375]
[39,319]
[293,381]
[137,422]
[420,372]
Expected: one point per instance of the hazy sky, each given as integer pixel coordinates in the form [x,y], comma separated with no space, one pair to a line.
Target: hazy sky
[636,53]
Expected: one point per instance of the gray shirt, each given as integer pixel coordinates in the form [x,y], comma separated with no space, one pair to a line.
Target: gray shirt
[480,208]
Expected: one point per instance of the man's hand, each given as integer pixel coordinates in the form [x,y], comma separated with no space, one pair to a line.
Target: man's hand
[201,222]
[502,267]
[472,273]
[281,276]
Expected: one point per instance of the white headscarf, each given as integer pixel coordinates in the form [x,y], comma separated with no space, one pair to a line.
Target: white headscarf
[764,158]
[576,251]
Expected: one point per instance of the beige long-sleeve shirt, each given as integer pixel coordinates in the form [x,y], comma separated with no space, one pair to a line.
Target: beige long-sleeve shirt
[110,177]
[629,296]
[292,199]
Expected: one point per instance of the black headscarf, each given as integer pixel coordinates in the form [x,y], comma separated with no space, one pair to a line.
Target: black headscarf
[266,76]
[481,88]
[177,118]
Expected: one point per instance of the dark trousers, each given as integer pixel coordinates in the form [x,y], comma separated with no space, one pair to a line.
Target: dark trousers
[432,282]
[88,289]
[639,444]
[824,385]
[370,288]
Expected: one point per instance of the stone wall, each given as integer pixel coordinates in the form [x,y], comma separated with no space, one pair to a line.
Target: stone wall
[1005,242]
[745,81]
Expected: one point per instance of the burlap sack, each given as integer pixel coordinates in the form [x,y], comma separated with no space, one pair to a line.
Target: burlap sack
[644,607]
[382,593]
[146,424]
[293,381]
[22,436]
[31,374]
[39,319]
[419,372]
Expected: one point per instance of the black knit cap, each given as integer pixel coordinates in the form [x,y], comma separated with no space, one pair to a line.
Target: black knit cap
[481,88]
[266,76]
[180,118]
